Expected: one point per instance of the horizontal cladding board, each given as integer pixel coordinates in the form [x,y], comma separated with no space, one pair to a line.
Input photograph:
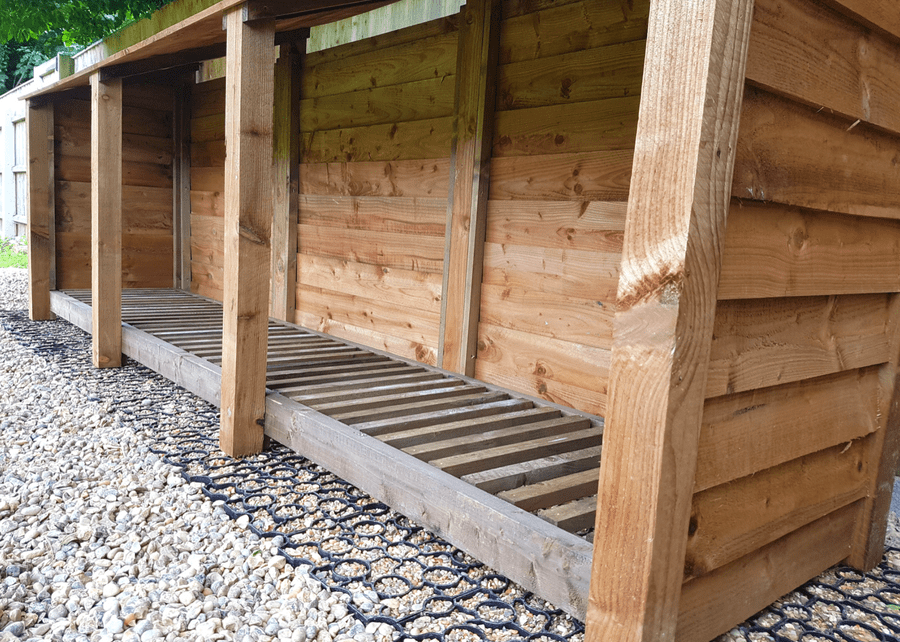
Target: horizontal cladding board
[790,154]
[612,71]
[420,216]
[78,169]
[759,343]
[76,141]
[417,178]
[563,28]
[820,57]
[135,120]
[411,140]
[774,250]
[587,176]
[389,249]
[577,225]
[748,432]
[144,209]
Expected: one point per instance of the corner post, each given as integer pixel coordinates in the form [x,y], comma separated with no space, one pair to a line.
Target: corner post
[678,203]
[106,221]
[41,209]
[470,163]
[249,96]
[286,179]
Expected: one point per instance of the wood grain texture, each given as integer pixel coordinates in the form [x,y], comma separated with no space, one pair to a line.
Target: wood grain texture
[678,203]
[418,178]
[388,249]
[106,221]
[248,220]
[286,182]
[181,183]
[585,176]
[409,140]
[766,342]
[711,604]
[748,432]
[773,250]
[470,163]
[881,14]
[41,209]
[399,214]
[574,225]
[794,42]
[795,155]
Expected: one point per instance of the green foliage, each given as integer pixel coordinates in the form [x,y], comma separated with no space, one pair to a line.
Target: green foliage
[13,253]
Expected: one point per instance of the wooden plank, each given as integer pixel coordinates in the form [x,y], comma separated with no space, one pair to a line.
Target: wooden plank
[106,222]
[677,208]
[431,57]
[712,604]
[181,188]
[512,476]
[314,400]
[416,178]
[146,210]
[792,154]
[409,140]
[248,218]
[136,148]
[472,397]
[562,27]
[420,100]
[793,41]
[135,120]
[208,128]
[773,250]
[748,432]
[465,464]
[78,169]
[574,516]
[498,437]
[575,225]
[388,249]
[552,492]
[420,216]
[405,288]
[392,399]
[611,71]
[737,518]
[286,185]
[470,162]
[371,381]
[881,14]
[383,427]
[41,209]
[608,124]
[766,342]
[586,176]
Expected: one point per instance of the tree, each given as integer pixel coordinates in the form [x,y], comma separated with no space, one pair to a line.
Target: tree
[34,31]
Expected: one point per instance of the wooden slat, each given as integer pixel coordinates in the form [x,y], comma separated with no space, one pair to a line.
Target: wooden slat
[751,431]
[314,400]
[389,249]
[374,400]
[470,174]
[711,604]
[375,379]
[181,188]
[485,459]
[559,490]
[248,216]
[802,50]
[75,142]
[766,342]
[448,401]
[78,169]
[737,518]
[881,14]
[574,225]
[535,471]
[420,216]
[796,155]
[416,178]
[608,124]
[378,428]
[773,250]
[286,181]
[106,221]
[677,208]
[41,210]
[610,71]
[146,210]
[574,516]
[389,142]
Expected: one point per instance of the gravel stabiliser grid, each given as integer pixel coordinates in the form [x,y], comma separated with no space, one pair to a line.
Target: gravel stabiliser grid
[397,572]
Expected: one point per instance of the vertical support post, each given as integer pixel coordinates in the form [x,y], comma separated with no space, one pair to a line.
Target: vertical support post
[249,96]
[470,162]
[867,547]
[41,209]
[286,180]
[181,183]
[678,202]
[106,221]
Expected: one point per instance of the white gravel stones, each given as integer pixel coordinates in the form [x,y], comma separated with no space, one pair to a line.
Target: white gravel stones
[101,541]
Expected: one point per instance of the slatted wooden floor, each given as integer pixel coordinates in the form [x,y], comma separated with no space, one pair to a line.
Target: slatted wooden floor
[542,459]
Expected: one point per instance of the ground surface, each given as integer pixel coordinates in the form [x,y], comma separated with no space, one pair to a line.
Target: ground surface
[119,519]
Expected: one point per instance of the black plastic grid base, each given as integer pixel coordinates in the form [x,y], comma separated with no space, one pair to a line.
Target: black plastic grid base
[428,589]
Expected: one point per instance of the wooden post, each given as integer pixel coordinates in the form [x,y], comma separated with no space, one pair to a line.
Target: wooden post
[106,220]
[479,41]
[41,210]
[678,202]
[249,95]
[286,185]
[181,184]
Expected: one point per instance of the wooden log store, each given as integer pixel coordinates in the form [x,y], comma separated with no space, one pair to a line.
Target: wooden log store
[449,261]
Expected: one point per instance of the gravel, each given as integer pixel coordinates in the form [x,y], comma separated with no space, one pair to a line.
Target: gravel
[101,539]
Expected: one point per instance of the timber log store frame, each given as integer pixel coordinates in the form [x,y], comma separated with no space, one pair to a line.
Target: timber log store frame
[683,217]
